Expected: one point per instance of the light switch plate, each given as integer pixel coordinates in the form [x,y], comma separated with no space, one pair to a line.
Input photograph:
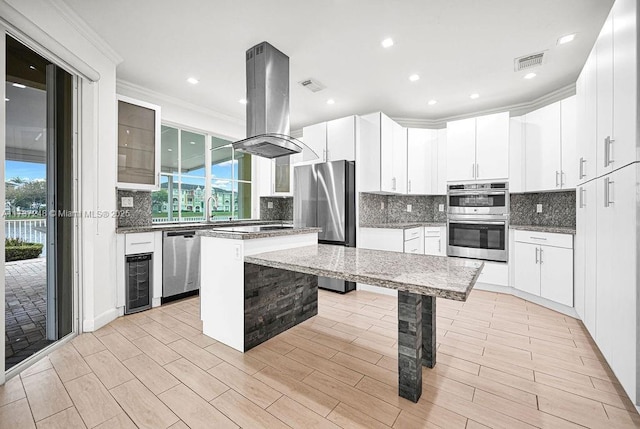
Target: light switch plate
[409,208]
[538,208]
[269,204]
[126,201]
[441,207]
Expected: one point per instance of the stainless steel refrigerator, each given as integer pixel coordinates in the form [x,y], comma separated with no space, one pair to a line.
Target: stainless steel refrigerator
[324,196]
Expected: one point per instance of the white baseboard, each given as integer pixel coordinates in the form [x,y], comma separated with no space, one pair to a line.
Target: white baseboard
[376,289]
[561,308]
[90,325]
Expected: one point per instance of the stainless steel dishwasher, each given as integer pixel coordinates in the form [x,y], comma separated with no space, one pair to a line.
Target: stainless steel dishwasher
[180,264]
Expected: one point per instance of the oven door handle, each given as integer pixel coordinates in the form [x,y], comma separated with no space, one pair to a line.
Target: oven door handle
[486,222]
[455,193]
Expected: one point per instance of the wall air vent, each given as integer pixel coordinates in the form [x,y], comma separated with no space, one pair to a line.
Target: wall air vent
[530,61]
[312,85]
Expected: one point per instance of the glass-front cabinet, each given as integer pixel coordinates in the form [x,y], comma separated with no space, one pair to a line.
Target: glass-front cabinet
[138,144]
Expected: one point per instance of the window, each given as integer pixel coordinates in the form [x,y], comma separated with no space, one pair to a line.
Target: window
[230,181]
[186,184]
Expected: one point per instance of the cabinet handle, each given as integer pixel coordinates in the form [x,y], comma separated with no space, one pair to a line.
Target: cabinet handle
[541,251]
[409,190]
[582,192]
[557,174]
[562,177]
[473,170]
[393,187]
[327,156]
[608,153]
[324,154]
[439,248]
[581,168]
[537,250]
[477,170]
[607,192]
[538,238]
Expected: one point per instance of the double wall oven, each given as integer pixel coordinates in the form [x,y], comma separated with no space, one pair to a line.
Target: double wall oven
[478,221]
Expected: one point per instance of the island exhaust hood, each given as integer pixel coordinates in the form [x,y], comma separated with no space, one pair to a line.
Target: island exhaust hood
[268,105]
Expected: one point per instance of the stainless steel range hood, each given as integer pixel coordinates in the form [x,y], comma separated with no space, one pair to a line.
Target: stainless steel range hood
[268,105]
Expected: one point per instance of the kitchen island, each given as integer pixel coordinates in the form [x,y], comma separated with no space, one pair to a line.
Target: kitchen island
[419,279]
[242,306]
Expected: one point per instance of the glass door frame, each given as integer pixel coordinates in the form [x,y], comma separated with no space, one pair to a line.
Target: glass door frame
[77,82]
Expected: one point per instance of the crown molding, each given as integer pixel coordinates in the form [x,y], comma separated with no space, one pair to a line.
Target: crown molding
[85,31]
[518,109]
[128,87]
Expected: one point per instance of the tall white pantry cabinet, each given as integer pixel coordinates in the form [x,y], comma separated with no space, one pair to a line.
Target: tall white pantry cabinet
[607,196]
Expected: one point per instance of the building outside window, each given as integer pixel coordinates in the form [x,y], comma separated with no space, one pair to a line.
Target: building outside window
[186,185]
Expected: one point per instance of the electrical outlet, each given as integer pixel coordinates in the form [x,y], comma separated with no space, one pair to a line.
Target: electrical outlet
[269,204]
[441,207]
[237,252]
[382,205]
[126,201]
[538,208]
[408,208]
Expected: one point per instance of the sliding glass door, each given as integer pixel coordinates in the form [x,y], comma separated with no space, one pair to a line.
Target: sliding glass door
[39,203]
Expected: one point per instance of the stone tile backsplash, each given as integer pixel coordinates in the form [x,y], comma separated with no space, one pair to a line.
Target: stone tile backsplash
[139,214]
[558,209]
[424,208]
[282,208]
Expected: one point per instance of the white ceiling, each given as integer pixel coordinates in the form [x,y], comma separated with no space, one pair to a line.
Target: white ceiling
[456,46]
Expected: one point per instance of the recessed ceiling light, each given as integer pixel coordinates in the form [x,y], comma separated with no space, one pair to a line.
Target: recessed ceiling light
[432,102]
[19,85]
[32,67]
[192,142]
[242,101]
[331,101]
[414,77]
[530,75]
[566,39]
[387,43]
[170,150]
[474,96]
[192,80]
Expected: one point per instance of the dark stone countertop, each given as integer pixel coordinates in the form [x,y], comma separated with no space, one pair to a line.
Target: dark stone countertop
[237,235]
[180,226]
[405,225]
[551,229]
[441,276]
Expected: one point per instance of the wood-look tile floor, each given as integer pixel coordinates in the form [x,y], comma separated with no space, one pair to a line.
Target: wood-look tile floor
[502,363]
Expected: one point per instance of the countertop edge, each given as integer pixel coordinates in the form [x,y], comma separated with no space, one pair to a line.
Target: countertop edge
[255,235]
[549,229]
[407,225]
[159,227]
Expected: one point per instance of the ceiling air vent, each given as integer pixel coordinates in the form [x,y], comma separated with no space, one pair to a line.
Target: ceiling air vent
[529,61]
[312,85]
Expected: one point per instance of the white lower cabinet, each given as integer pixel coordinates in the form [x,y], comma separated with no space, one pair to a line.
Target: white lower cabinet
[544,265]
[586,255]
[435,241]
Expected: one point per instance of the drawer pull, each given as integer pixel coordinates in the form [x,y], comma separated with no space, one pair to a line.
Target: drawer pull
[538,238]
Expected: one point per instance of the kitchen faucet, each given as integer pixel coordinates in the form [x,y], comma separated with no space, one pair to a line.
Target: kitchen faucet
[208,209]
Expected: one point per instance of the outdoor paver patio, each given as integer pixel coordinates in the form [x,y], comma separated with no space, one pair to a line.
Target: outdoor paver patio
[25,309]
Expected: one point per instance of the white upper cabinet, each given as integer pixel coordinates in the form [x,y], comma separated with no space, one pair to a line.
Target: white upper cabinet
[604,96]
[492,146]
[568,116]
[586,93]
[542,149]
[422,158]
[388,182]
[315,137]
[478,148]
[461,150]
[138,144]
[331,141]
[399,166]
[382,155]
[516,154]
[625,57]
[441,187]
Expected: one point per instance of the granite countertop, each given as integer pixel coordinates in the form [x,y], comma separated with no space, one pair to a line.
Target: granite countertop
[404,225]
[237,235]
[551,229]
[451,278]
[178,226]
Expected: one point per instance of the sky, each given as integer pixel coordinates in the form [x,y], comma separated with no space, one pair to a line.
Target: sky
[24,170]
